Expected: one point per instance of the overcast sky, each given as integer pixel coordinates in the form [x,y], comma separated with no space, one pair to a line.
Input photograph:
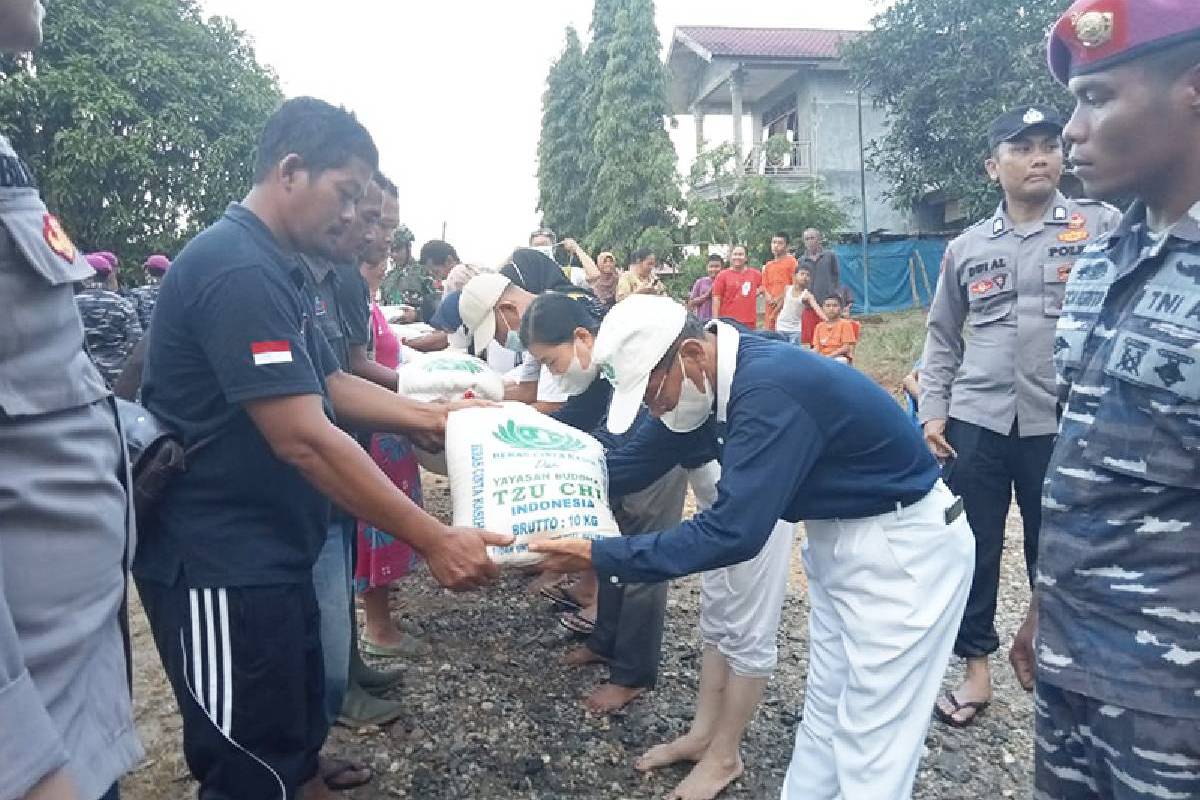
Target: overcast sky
[451,90]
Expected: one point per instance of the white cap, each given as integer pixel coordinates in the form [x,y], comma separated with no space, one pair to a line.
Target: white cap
[633,338]
[477,304]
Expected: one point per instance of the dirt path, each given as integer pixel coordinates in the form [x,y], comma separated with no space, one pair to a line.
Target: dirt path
[492,715]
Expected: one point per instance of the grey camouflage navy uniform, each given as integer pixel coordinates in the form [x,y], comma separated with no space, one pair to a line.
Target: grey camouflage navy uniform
[144,298]
[112,328]
[1118,643]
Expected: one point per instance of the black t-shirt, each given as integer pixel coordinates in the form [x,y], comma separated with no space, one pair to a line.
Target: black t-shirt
[354,301]
[233,324]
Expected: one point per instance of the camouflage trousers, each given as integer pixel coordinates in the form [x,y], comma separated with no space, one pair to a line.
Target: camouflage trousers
[1086,749]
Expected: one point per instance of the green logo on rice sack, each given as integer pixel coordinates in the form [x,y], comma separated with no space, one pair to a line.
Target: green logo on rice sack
[530,437]
[450,365]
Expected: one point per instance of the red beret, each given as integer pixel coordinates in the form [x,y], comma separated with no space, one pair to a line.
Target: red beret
[1094,35]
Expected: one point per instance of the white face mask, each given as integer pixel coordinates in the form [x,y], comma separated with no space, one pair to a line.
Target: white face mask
[694,406]
[578,378]
[546,250]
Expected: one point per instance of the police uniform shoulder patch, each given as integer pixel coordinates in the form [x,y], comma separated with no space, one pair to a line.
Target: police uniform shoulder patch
[57,239]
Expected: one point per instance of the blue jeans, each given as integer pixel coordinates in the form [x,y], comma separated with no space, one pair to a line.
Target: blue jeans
[331,581]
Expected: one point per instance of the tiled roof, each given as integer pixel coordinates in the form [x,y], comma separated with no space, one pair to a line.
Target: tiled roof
[767,42]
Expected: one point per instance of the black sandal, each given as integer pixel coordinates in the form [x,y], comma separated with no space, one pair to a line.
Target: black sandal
[335,772]
[577,623]
[560,597]
[978,706]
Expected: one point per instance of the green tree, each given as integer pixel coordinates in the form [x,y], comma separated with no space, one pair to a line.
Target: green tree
[139,118]
[603,28]
[563,194]
[750,209]
[944,69]
[635,193]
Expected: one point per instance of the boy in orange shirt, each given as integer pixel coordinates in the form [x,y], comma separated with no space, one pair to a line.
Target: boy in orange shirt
[777,276]
[836,337]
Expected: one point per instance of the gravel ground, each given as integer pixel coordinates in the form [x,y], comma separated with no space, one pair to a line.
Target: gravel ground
[492,715]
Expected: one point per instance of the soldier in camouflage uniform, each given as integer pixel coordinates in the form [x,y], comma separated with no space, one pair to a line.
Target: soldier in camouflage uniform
[397,283]
[1118,585]
[110,322]
[145,296]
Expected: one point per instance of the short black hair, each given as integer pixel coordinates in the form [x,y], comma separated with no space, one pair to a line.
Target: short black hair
[386,184]
[543,232]
[781,235]
[640,255]
[437,252]
[552,318]
[693,328]
[841,301]
[717,257]
[323,135]
[804,268]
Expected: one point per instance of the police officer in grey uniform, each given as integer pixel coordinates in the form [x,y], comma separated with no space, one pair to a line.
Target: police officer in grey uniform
[987,387]
[110,322]
[66,724]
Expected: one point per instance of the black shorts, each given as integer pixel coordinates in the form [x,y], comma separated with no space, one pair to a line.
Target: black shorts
[245,665]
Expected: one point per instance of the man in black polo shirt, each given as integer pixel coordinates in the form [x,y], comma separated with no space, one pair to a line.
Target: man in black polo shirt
[238,367]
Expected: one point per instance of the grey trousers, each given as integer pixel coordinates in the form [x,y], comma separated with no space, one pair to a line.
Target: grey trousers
[64,699]
[629,621]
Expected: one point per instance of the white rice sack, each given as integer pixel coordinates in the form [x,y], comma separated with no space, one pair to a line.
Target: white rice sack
[450,375]
[447,375]
[515,470]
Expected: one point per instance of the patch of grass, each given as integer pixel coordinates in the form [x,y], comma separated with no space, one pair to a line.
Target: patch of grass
[889,346]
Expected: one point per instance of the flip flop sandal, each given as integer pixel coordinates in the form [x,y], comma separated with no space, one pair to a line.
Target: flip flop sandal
[334,776]
[577,623]
[560,597]
[978,706]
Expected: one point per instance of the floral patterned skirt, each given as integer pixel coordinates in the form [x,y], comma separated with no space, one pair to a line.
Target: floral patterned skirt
[382,558]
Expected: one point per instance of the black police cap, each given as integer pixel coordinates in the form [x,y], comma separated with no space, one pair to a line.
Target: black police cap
[1014,123]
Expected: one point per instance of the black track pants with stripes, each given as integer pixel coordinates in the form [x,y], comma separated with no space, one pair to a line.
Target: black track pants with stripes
[245,665]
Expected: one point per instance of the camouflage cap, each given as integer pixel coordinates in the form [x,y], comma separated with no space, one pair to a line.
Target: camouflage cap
[1094,35]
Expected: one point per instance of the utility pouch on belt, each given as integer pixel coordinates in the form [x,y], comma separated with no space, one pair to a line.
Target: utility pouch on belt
[156,455]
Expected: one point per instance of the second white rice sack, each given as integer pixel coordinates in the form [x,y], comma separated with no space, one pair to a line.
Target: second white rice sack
[450,375]
[515,470]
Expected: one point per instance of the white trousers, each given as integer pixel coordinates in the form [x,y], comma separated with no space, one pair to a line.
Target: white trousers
[887,594]
[740,605]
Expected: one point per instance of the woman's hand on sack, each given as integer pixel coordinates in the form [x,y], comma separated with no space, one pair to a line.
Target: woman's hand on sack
[564,555]
[459,559]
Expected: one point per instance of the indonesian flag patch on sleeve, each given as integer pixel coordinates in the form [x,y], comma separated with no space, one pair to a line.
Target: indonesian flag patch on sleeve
[271,353]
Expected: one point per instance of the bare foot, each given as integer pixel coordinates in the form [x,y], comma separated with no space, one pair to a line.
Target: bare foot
[685,748]
[708,779]
[542,581]
[609,697]
[582,656]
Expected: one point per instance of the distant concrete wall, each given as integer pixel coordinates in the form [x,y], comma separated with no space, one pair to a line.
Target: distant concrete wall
[832,107]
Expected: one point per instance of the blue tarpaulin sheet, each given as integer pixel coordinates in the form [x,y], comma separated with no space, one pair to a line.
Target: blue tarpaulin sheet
[891,289]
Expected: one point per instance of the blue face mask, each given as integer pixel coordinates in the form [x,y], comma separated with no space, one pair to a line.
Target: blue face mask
[513,342]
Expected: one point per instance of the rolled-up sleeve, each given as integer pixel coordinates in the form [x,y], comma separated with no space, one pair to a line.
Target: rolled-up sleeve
[30,745]
[943,343]
[772,445]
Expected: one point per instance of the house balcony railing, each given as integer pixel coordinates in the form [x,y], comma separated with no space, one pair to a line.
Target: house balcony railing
[794,160]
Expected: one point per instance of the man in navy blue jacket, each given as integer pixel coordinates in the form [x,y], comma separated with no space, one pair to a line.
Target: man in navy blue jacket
[889,554]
